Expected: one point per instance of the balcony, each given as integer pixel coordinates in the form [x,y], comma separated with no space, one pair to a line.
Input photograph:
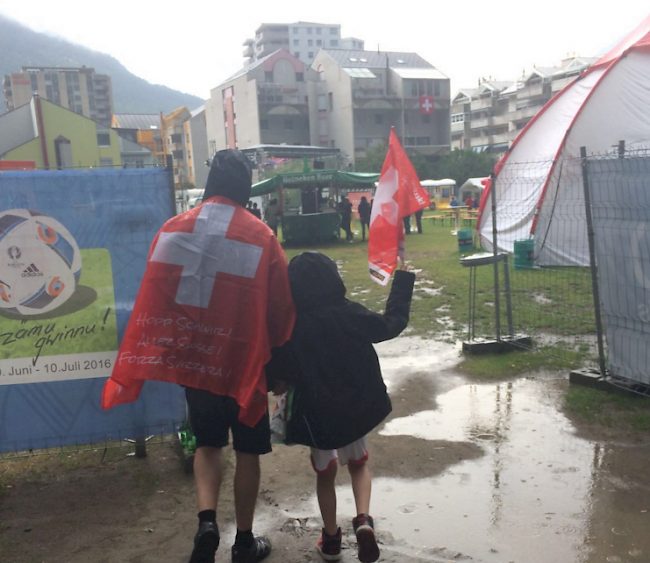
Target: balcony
[534,90]
[458,127]
[276,94]
[481,123]
[249,51]
[524,113]
[507,137]
[481,103]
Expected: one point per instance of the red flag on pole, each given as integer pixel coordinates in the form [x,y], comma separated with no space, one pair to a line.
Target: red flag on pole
[398,195]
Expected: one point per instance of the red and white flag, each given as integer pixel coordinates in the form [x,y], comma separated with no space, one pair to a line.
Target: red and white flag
[213,301]
[427,105]
[398,195]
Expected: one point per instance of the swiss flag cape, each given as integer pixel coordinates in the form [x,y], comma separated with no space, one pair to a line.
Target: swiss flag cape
[214,299]
[398,195]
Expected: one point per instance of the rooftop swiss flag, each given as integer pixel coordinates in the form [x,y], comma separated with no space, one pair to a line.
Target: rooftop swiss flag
[214,299]
[427,105]
[398,195]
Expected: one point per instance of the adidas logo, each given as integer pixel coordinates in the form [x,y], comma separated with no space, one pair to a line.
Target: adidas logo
[31,272]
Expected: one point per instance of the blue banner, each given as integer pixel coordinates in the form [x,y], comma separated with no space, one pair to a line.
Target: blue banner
[73,250]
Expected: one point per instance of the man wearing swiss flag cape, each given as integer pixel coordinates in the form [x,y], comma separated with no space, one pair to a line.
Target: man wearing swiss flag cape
[214,299]
[398,194]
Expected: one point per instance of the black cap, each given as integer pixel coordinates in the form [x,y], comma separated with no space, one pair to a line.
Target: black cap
[230,176]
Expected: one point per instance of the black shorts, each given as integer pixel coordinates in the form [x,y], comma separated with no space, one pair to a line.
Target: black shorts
[211,416]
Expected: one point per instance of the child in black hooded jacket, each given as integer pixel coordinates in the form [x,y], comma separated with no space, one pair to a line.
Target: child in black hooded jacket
[339,394]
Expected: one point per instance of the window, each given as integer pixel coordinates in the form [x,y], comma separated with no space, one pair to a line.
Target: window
[297,55]
[264,124]
[288,123]
[104,139]
[178,155]
[333,31]
[177,138]
[379,118]
[139,163]
[268,76]
[310,42]
[310,55]
[331,100]
[426,118]
[300,77]
[296,42]
[318,30]
[333,144]
[309,31]
[334,43]
[319,42]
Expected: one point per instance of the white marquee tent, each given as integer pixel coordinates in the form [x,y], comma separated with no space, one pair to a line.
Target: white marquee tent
[538,181]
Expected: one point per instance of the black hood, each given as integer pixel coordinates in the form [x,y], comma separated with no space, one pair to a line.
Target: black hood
[230,176]
[315,281]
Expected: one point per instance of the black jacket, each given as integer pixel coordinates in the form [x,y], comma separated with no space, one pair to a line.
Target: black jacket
[340,395]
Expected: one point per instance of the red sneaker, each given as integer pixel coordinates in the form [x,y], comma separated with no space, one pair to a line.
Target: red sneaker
[364,528]
[329,547]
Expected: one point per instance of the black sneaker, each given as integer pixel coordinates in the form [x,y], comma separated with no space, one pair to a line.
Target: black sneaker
[206,543]
[259,550]
[329,547]
[364,528]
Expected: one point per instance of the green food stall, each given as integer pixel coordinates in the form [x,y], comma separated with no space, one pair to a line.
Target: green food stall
[308,200]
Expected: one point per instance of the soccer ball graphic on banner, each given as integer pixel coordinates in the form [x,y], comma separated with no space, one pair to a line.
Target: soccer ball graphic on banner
[40,262]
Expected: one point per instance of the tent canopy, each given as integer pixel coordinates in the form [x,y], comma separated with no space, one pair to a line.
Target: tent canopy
[299,179]
[538,183]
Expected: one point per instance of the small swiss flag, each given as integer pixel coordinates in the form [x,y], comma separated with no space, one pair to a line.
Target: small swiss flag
[427,106]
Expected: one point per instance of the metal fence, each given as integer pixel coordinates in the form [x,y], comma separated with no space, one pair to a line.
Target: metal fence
[576,236]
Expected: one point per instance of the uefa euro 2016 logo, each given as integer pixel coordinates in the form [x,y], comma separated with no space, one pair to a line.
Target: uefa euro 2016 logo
[44,263]
[14,252]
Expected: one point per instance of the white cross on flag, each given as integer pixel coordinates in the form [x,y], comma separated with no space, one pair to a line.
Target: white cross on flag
[204,253]
[427,105]
[398,194]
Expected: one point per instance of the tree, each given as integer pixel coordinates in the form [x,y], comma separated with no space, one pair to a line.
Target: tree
[462,164]
[375,156]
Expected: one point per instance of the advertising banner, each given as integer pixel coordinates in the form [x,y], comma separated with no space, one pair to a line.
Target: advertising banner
[73,248]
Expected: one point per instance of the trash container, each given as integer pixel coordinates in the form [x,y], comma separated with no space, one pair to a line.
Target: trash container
[524,254]
[465,240]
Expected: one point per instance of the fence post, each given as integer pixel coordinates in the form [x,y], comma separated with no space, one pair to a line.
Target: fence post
[592,260]
[495,250]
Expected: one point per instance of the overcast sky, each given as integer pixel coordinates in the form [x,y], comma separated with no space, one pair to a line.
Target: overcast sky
[194,45]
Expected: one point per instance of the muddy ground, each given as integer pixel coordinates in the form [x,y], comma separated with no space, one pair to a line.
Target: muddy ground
[125,510]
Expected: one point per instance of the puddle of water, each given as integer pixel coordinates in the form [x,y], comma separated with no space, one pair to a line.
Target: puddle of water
[539,494]
[534,496]
[404,356]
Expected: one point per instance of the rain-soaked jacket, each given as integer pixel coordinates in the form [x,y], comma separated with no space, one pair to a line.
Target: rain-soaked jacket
[340,395]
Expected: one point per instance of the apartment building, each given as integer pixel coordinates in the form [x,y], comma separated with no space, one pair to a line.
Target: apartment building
[360,95]
[198,154]
[178,143]
[489,117]
[53,137]
[264,103]
[144,129]
[302,39]
[80,90]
